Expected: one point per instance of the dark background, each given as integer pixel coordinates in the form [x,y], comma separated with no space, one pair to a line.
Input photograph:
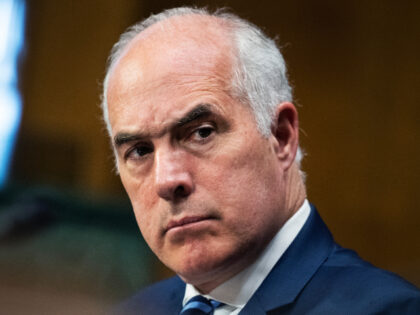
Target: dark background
[354,67]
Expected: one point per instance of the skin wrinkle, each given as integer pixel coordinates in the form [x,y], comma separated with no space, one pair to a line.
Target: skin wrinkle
[162,126]
[200,112]
[212,40]
[236,178]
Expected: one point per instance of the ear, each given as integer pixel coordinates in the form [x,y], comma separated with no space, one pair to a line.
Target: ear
[285,133]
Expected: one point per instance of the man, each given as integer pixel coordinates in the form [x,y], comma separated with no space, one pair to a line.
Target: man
[205,136]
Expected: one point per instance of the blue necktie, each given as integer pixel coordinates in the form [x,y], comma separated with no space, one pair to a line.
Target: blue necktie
[199,305]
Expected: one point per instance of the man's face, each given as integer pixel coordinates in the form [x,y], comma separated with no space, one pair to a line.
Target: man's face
[205,186]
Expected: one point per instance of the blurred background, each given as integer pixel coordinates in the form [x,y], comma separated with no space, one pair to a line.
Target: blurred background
[68,239]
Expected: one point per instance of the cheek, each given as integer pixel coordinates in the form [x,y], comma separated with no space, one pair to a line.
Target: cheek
[144,203]
[149,222]
[244,182]
[145,223]
[248,171]
[139,189]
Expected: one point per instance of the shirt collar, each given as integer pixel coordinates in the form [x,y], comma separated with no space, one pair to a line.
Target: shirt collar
[238,290]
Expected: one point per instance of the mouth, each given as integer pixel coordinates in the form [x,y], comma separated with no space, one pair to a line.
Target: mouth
[186,221]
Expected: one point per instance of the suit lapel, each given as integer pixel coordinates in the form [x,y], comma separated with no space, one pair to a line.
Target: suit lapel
[295,268]
[173,303]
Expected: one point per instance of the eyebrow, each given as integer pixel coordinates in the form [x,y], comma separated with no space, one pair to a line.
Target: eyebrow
[198,112]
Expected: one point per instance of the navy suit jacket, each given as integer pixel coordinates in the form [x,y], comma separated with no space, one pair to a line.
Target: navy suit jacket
[314,276]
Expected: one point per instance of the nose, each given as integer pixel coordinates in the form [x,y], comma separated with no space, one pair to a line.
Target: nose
[173,179]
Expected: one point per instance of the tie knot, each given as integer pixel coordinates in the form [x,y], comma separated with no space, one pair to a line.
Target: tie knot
[199,305]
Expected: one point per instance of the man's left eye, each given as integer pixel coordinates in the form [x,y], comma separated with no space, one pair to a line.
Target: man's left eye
[202,133]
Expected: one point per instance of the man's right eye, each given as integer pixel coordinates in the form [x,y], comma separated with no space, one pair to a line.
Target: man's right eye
[138,152]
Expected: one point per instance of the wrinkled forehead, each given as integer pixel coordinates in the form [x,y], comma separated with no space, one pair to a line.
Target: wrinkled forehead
[191,54]
[191,43]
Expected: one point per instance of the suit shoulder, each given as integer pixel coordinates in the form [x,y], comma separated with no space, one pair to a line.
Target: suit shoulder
[346,264]
[346,277]
[157,298]
[157,289]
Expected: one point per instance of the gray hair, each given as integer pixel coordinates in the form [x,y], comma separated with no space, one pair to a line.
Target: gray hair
[259,71]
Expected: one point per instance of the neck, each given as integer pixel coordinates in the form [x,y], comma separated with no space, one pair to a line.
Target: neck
[296,190]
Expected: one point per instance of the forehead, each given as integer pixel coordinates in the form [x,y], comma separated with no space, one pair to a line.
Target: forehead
[183,57]
[183,43]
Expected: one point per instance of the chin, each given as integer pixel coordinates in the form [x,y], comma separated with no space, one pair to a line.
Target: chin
[191,267]
[203,278]
[201,268]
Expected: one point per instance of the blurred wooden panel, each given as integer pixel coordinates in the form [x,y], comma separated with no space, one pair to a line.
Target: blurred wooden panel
[67,46]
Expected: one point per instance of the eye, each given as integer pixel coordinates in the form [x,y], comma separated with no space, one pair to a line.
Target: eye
[202,133]
[205,132]
[139,151]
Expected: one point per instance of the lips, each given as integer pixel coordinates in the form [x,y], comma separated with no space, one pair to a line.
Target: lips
[185,221]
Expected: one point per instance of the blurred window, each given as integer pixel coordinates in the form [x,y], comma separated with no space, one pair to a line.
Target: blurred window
[12,14]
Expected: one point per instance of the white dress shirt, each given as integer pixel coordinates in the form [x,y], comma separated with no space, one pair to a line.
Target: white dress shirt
[237,291]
